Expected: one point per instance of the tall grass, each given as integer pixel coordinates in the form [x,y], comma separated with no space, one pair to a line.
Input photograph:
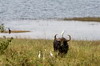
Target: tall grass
[24,52]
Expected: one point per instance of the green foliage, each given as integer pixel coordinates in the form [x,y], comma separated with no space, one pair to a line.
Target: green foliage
[4,45]
[24,52]
[2,28]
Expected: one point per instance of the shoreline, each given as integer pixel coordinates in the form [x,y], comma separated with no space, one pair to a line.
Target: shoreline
[84,19]
[16,31]
[90,19]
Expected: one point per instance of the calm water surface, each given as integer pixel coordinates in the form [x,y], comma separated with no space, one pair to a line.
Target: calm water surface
[43,9]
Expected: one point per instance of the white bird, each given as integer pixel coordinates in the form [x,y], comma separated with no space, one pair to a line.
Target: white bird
[62,33]
[39,55]
[51,54]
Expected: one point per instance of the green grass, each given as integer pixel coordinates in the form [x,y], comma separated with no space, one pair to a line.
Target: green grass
[94,19]
[24,52]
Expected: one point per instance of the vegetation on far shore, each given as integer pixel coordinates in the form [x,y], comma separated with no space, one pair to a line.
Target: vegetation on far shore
[93,19]
[16,31]
[24,52]
[4,30]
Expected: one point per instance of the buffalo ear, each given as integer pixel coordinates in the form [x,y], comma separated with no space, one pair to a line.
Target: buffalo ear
[55,37]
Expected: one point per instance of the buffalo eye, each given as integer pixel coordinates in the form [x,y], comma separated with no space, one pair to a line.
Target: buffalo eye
[58,42]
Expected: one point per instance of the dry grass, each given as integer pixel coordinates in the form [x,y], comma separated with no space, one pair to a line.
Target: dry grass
[24,52]
[95,19]
[16,31]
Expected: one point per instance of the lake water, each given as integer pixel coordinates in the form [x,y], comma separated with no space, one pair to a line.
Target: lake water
[12,13]
[46,29]
[43,9]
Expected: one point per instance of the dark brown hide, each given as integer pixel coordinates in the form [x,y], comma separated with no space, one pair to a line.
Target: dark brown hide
[61,44]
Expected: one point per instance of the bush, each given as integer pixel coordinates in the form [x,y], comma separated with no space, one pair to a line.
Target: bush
[2,28]
[4,45]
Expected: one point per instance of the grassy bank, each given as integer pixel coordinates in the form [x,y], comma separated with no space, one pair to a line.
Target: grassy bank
[24,52]
[16,31]
[95,19]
